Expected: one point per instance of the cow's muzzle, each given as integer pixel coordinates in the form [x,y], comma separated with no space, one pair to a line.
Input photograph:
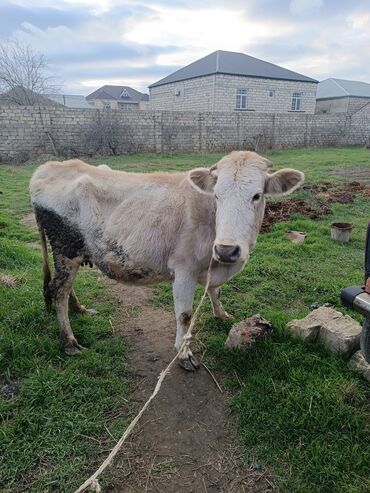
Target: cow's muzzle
[227,254]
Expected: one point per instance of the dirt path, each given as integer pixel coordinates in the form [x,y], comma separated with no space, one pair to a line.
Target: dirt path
[185,441]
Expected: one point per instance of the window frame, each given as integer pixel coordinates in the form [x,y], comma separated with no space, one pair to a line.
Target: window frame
[297,98]
[242,94]
[125,106]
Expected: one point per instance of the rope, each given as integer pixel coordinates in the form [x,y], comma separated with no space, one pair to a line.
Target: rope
[92,482]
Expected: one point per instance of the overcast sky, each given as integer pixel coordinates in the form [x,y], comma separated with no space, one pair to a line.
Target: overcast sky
[126,42]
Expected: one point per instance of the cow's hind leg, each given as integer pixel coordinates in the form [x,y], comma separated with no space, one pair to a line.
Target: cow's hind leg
[76,307]
[183,295]
[60,286]
[218,309]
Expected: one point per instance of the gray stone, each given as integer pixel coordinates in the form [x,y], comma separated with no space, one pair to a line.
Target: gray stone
[246,334]
[341,335]
[337,332]
[358,361]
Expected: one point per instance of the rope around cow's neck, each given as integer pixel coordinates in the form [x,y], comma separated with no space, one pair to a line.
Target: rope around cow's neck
[93,482]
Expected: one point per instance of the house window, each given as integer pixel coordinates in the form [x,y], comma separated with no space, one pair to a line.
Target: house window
[125,94]
[297,101]
[241,99]
[106,106]
[126,106]
[271,93]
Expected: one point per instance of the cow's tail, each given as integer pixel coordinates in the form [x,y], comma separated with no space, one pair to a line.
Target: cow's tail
[46,265]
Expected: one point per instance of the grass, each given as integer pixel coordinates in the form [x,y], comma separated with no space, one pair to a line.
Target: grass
[300,410]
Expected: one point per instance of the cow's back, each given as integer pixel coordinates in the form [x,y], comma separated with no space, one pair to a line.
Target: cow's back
[141,216]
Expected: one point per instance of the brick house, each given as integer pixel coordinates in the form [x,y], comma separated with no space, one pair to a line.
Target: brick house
[342,96]
[228,81]
[118,97]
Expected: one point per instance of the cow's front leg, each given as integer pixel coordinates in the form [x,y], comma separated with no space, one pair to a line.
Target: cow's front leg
[218,309]
[183,296]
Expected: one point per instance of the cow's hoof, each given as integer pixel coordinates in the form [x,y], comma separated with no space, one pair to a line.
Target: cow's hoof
[224,316]
[189,363]
[73,350]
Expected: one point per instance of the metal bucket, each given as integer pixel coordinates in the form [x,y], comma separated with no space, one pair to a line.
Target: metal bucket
[341,231]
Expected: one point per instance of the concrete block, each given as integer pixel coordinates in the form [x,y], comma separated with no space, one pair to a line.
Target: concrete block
[359,363]
[341,335]
[308,328]
[337,332]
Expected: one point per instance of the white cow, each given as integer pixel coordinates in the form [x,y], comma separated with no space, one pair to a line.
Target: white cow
[145,228]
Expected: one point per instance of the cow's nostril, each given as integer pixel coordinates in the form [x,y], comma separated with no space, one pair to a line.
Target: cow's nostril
[235,252]
[227,254]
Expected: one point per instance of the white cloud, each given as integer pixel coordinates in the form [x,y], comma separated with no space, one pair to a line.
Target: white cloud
[201,29]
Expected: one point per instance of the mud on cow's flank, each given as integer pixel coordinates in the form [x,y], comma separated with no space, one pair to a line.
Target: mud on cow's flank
[302,415]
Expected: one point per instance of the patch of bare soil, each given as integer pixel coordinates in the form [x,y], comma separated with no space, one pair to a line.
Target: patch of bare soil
[343,193]
[185,442]
[9,281]
[323,193]
[281,210]
[29,220]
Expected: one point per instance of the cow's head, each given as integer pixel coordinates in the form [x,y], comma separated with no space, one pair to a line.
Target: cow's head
[239,183]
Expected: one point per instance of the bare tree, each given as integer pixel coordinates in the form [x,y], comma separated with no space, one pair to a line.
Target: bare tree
[23,73]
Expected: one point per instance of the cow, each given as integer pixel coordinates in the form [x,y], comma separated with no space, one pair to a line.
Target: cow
[144,228]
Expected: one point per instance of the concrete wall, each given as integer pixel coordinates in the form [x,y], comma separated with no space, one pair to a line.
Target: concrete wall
[27,131]
[218,93]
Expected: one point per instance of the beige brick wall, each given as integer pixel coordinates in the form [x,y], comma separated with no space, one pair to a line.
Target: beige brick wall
[28,131]
[218,93]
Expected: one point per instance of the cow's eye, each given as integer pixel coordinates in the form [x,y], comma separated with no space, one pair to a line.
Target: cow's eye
[256,197]
[216,197]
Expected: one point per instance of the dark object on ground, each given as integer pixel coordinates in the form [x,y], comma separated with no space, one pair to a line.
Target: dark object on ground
[246,334]
[358,298]
[9,390]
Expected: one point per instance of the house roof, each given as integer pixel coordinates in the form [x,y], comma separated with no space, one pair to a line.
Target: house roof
[70,100]
[341,88]
[24,97]
[229,62]
[115,93]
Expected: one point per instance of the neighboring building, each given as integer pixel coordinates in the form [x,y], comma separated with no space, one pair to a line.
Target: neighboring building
[21,96]
[70,100]
[228,81]
[342,96]
[25,97]
[118,97]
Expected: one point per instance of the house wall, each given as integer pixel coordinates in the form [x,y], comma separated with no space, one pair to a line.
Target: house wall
[27,131]
[218,93]
[333,105]
[341,105]
[114,104]
[356,104]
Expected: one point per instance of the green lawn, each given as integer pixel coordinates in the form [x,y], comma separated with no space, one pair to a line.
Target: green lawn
[300,411]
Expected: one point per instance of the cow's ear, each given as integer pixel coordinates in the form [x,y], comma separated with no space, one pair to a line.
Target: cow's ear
[203,180]
[284,181]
